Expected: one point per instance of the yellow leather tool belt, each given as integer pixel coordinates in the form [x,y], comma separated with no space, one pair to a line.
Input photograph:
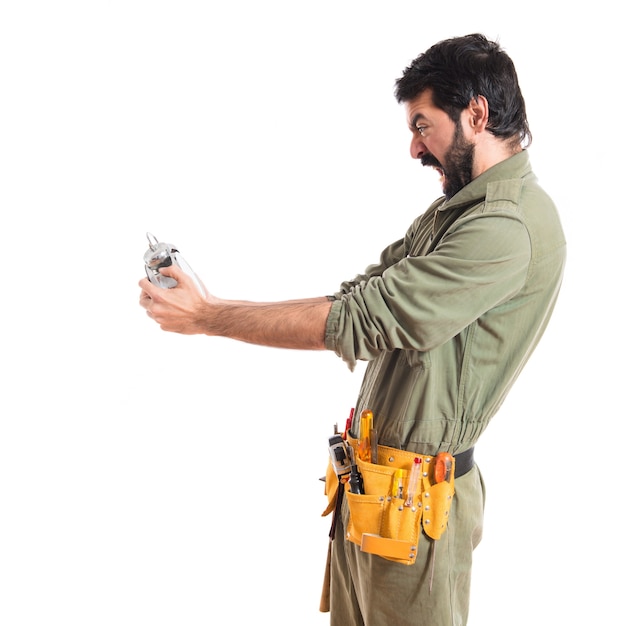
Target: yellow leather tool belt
[387,518]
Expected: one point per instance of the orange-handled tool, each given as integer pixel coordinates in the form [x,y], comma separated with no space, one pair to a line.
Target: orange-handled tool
[443,467]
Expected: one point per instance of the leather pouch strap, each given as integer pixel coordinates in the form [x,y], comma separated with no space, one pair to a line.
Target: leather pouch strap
[389,548]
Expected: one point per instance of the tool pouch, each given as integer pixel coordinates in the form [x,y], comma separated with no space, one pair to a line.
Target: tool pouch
[381,523]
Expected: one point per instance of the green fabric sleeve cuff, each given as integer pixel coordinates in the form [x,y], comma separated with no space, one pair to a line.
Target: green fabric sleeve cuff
[331,337]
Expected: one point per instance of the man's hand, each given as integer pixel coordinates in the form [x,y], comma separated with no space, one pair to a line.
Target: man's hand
[180,309]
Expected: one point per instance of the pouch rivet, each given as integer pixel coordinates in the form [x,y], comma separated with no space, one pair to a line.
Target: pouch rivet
[426,521]
[426,494]
[427,459]
[391,459]
[426,508]
[381,499]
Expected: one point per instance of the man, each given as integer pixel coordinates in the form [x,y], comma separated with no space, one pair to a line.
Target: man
[447,319]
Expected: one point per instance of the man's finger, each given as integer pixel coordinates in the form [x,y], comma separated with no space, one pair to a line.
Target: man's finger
[175,272]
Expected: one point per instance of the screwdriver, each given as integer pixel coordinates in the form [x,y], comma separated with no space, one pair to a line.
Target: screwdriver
[346,430]
[398,483]
[414,477]
[365,445]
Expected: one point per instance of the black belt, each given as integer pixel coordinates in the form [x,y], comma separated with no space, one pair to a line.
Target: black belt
[463,462]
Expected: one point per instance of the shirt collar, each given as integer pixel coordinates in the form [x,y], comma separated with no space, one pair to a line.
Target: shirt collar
[515,166]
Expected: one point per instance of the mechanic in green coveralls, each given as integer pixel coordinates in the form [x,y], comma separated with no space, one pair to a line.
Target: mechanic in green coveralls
[447,319]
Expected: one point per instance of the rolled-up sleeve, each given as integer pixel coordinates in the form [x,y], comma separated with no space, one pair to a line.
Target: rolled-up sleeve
[420,302]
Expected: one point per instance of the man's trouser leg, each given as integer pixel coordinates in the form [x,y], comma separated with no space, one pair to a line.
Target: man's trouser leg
[367,590]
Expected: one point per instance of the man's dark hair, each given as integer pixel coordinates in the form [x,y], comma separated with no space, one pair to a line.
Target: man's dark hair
[462,68]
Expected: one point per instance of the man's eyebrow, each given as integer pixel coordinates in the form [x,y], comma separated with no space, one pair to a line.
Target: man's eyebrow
[416,118]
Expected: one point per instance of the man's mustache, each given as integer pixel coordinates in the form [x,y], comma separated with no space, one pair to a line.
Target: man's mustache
[428,160]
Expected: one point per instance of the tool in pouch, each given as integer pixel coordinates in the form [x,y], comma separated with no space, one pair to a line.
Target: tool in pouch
[396,497]
[341,468]
[159,255]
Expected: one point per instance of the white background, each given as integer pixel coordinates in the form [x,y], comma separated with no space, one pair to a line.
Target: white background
[154,479]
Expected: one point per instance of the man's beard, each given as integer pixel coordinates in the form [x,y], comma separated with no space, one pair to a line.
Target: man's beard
[459,162]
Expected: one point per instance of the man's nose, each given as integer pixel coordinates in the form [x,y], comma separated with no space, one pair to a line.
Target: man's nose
[418,149]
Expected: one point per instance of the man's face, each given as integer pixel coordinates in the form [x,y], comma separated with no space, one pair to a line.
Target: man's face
[440,143]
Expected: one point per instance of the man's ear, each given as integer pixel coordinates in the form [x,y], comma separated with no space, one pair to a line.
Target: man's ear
[478,113]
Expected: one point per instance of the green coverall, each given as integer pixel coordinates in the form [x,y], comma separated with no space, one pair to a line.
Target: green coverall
[446,320]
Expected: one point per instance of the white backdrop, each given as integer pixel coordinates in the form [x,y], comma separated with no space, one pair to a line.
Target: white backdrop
[154,479]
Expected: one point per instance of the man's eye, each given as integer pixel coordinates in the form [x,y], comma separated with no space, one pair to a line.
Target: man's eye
[420,130]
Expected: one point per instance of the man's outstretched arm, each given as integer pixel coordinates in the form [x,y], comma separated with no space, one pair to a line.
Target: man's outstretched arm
[297,324]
